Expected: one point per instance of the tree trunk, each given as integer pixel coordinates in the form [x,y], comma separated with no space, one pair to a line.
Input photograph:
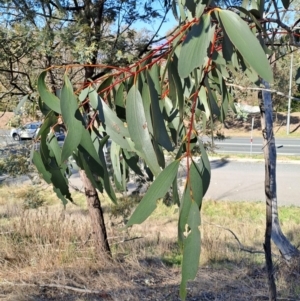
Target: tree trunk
[92,197]
[270,188]
[96,215]
[283,244]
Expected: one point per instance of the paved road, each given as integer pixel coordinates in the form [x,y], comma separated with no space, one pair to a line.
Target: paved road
[244,181]
[236,145]
[242,145]
[5,138]
[233,181]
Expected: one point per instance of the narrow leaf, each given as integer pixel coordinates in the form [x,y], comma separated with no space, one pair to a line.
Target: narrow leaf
[49,121]
[132,161]
[21,104]
[83,94]
[60,185]
[147,106]
[115,160]
[247,44]
[203,101]
[47,97]
[104,85]
[114,126]
[93,97]
[195,46]
[191,247]
[157,190]
[105,177]
[71,117]
[138,129]
[54,148]
[58,178]
[38,162]
[173,66]
[204,170]
[119,102]
[85,164]
[159,128]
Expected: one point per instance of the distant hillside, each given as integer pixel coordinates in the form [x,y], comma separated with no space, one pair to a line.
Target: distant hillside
[6,117]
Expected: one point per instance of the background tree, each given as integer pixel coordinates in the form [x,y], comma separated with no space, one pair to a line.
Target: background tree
[40,34]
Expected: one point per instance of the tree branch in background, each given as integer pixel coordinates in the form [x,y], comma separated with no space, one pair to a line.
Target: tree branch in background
[261,89]
[241,246]
[145,49]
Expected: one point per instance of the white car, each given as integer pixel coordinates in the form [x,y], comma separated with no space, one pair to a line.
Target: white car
[27,131]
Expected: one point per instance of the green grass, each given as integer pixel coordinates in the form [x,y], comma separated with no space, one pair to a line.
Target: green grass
[238,211]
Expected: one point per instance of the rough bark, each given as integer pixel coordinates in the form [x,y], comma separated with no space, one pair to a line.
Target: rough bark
[270,187]
[283,244]
[92,197]
[97,218]
[269,262]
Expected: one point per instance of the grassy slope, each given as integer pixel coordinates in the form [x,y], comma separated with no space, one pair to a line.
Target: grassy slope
[234,127]
[52,245]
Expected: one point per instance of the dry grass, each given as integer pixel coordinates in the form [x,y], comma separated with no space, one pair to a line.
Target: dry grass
[235,127]
[50,245]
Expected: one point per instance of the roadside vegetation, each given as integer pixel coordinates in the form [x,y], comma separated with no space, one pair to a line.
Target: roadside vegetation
[86,66]
[47,251]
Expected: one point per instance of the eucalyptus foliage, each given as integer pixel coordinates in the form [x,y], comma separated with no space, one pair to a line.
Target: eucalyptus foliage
[149,108]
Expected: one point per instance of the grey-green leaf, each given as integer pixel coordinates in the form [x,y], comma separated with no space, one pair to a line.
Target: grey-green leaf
[147,106]
[38,162]
[157,190]
[71,116]
[49,121]
[159,128]
[138,129]
[83,94]
[195,46]
[93,96]
[54,147]
[21,104]
[115,160]
[47,97]
[191,247]
[114,126]
[247,44]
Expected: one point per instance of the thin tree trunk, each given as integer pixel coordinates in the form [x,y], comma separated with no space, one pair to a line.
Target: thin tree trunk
[283,244]
[97,218]
[92,197]
[270,187]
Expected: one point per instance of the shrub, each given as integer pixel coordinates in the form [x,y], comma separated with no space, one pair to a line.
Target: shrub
[15,165]
[33,199]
